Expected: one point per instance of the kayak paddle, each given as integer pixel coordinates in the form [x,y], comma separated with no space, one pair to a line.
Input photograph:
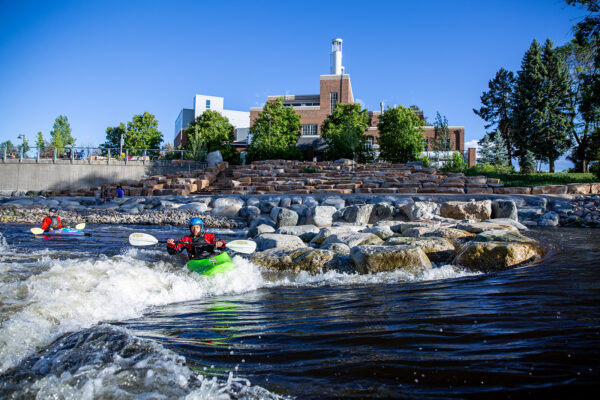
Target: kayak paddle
[143,239]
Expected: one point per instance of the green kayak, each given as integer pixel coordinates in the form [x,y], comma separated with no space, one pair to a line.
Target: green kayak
[211,266]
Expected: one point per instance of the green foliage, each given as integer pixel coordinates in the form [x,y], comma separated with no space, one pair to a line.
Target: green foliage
[61,133]
[536,179]
[343,130]
[492,149]
[400,135]
[309,170]
[424,160]
[212,128]
[40,143]
[441,141]
[496,107]
[595,169]
[140,133]
[489,170]
[10,148]
[285,131]
[527,162]
[455,164]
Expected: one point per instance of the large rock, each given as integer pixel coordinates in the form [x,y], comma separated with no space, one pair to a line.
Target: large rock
[504,236]
[337,248]
[227,206]
[297,260]
[267,205]
[383,232]
[477,227]
[456,236]
[472,210]
[420,210]
[324,233]
[195,207]
[284,217]
[267,241]
[508,221]
[505,209]
[320,216]
[357,214]
[336,202]
[549,219]
[304,232]
[437,249]
[253,228]
[352,239]
[213,158]
[496,256]
[373,259]
[249,212]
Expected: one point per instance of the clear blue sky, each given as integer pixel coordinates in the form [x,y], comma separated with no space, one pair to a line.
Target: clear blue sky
[101,62]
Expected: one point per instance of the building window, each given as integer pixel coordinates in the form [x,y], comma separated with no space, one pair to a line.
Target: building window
[208,104]
[333,99]
[370,142]
[309,130]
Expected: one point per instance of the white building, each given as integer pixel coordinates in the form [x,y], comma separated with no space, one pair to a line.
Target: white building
[239,119]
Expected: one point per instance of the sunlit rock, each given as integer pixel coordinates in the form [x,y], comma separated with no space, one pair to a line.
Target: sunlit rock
[372,259]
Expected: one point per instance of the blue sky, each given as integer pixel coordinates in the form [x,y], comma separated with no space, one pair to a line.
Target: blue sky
[101,62]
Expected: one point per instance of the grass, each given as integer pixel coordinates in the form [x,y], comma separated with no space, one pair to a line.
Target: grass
[541,179]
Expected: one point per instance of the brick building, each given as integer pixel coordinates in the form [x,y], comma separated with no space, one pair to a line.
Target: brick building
[336,88]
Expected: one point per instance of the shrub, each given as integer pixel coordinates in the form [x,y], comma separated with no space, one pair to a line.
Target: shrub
[309,170]
[455,164]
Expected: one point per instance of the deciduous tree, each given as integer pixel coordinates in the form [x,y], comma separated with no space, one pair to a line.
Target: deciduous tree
[343,130]
[400,135]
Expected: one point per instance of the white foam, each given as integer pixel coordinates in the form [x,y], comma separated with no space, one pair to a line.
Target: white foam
[74,294]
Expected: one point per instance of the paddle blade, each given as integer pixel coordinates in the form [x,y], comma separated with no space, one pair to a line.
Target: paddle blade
[142,239]
[80,226]
[37,231]
[242,246]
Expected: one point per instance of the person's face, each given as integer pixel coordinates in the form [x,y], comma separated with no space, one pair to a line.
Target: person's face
[51,213]
[195,229]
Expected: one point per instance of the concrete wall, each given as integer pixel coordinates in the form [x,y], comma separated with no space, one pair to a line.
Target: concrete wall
[29,175]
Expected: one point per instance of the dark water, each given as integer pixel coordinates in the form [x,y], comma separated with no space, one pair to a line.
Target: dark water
[531,332]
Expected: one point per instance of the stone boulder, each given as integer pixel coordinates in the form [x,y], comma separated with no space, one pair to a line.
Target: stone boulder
[549,218]
[320,216]
[249,212]
[267,205]
[267,241]
[336,202]
[508,221]
[262,228]
[496,256]
[304,232]
[284,217]
[213,158]
[338,248]
[195,207]
[373,259]
[357,214]
[504,236]
[352,239]
[253,228]
[383,232]
[227,206]
[472,210]
[420,210]
[477,227]
[324,233]
[456,236]
[505,209]
[297,260]
[437,249]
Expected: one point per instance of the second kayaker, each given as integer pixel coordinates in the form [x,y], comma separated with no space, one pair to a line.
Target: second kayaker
[52,221]
[199,245]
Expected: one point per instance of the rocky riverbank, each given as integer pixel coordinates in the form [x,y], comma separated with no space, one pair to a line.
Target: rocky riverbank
[352,233]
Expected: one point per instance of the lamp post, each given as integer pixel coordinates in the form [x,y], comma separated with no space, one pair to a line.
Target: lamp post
[22,137]
[269,120]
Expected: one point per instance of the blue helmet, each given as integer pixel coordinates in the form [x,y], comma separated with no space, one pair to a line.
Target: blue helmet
[196,221]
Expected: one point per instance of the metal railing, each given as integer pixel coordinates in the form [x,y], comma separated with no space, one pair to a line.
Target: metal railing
[98,155]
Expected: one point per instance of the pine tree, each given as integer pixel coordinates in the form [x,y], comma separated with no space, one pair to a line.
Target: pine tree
[553,139]
[528,106]
[492,150]
[496,107]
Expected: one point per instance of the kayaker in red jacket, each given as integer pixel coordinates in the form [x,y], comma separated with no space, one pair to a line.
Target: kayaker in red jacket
[52,221]
[198,245]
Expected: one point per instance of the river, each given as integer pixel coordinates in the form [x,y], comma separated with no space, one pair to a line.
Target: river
[94,317]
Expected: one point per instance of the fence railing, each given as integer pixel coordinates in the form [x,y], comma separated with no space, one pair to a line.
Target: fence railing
[97,155]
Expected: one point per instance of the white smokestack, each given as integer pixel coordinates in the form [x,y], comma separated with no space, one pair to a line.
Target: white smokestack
[336,57]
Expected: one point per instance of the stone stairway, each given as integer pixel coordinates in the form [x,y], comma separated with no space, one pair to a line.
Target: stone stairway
[224,183]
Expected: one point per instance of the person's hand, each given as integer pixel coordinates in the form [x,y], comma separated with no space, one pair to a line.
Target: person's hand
[170,241]
[50,229]
[220,244]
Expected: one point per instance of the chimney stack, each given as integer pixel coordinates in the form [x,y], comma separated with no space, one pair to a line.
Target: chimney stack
[336,57]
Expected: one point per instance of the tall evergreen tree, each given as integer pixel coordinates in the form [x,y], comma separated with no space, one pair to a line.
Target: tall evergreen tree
[553,140]
[441,141]
[496,107]
[492,150]
[528,105]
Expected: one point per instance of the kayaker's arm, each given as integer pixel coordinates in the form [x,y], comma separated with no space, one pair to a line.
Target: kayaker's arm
[177,247]
[210,238]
